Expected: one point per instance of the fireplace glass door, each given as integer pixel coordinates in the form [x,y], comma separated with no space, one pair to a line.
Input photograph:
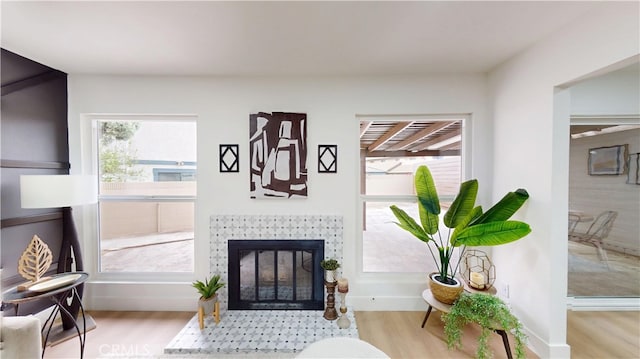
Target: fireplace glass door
[279,274]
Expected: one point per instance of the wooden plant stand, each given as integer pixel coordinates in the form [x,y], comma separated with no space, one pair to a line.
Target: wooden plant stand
[215,314]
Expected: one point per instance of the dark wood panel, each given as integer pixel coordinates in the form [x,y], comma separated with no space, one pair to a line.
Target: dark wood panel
[18,221]
[11,206]
[15,67]
[31,81]
[34,123]
[33,141]
[15,240]
[34,164]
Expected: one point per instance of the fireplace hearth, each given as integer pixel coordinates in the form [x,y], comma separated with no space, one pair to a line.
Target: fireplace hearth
[276,274]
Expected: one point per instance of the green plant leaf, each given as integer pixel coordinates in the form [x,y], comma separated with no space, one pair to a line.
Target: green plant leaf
[489,312]
[409,224]
[475,213]
[428,202]
[462,205]
[429,221]
[329,264]
[209,287]
[492,234]
[505,208]
[426,190]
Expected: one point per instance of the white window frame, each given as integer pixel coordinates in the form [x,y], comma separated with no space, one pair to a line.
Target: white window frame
[90,231]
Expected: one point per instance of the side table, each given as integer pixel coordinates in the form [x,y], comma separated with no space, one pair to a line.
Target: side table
[446,308]
[57,294]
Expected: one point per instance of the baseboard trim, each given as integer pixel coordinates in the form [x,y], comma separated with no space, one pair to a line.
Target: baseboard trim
[378,303]
[545,350]
[603,304]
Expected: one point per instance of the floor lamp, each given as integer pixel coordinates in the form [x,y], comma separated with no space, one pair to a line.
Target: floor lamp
[55,191]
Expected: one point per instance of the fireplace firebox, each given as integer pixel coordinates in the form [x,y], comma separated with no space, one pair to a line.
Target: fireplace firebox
[276,274]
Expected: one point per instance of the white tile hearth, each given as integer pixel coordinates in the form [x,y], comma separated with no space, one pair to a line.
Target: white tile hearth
[259,332]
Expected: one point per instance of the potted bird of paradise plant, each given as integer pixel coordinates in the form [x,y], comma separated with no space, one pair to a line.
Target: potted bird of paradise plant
[468,225]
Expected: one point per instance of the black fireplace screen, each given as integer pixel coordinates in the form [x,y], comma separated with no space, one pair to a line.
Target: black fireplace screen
[276,274]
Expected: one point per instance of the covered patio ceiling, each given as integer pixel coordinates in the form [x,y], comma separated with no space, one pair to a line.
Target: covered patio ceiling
[389,138]
[401,138]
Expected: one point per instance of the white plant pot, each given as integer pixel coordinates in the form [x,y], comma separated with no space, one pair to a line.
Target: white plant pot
[330,275]
[208,304]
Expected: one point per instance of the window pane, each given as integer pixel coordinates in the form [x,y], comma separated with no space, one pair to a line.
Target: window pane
[139,160]
[393,176]
[146,236]
[387,247]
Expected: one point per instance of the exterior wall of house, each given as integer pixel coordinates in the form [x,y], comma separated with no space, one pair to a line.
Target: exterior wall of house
[531,131]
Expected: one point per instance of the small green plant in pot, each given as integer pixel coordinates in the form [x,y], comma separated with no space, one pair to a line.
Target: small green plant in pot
[467,225]
[490,313]
[330,266]
[209,288]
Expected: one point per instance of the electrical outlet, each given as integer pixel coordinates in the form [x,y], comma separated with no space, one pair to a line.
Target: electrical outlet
[505,291]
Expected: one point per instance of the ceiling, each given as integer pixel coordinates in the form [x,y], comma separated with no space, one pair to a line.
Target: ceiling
[242,38]
[305,38]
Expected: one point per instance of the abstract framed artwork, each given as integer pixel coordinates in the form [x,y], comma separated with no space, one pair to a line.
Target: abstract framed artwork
[609,160]
[278,155]
[327,158]
[229,159]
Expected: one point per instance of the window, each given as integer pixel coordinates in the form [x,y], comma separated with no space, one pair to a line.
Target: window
[147,171]
[391,151]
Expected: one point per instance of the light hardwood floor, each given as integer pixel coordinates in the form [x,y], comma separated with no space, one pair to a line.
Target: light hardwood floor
[144,335]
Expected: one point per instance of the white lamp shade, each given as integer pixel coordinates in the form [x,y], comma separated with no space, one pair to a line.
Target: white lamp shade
[48,191]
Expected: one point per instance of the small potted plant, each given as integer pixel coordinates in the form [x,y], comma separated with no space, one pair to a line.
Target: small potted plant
[329,266]
[208,292]
[467,225]
[491,314]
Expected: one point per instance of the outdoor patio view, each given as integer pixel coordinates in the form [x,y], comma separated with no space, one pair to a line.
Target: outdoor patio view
[147,195]
[386,247]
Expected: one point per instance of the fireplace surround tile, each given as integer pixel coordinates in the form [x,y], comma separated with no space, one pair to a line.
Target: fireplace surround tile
[269,227]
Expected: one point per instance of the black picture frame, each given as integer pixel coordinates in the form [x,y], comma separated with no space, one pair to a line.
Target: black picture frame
[327,158]
[229,158]
[608,161]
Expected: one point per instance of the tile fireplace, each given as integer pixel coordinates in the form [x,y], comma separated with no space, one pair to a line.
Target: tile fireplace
[274,231]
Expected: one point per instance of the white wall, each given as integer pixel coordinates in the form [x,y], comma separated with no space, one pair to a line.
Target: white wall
[531,150]
[617,93]
[222,106]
